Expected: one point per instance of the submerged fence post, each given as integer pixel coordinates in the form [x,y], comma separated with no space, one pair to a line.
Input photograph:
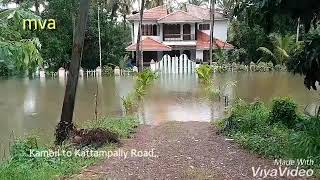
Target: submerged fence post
[99,71]
[81,72]
[61,72]
[153,65]
[117,71]
[42,73]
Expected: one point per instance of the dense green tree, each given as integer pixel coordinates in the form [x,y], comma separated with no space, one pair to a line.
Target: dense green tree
[18,53]
[56,48]
[307,63]
[248,38]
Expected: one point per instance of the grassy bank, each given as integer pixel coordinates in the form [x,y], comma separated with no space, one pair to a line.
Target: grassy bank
[22,166]
[275,132]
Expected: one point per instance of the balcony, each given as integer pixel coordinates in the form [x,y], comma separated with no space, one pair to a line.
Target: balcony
[179,37]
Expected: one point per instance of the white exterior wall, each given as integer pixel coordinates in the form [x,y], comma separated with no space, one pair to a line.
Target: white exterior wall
[136,28]
[220,29]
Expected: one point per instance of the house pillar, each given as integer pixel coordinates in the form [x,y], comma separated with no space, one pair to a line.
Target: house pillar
[181,31]
[199,55]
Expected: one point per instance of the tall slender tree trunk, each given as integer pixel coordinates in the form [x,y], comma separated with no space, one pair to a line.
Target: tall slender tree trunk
[298,30]
[66,125]
[212,12]
[139,55]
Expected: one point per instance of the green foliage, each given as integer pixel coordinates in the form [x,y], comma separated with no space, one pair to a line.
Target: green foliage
[308,137]
[247,117]
[19,50]
[123,126]
[23,166]
[307,62]
[248,39]
[129,102]
[222,56]
[107,71]
[57,44]
[283,48]
[145,78]
[204,73]
[284,111]
[256,127]
[143,81]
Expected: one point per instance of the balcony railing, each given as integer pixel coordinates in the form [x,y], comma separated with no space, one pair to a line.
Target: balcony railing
[179,37]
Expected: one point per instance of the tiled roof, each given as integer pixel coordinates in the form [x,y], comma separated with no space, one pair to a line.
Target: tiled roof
[203,13]
[149,44]
[179,16]
[151,14]
[203,42]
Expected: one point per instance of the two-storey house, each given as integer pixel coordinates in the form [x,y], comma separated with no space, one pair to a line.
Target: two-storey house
[180,32]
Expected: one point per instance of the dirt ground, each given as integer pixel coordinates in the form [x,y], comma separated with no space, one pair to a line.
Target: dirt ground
[181,150]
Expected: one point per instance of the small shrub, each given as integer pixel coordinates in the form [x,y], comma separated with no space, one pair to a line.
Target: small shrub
[247,118]
[204,73]
[145,78]
[107,71]
[129,102]
[284,111]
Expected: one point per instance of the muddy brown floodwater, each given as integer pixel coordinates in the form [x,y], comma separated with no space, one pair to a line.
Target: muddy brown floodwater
[28,106]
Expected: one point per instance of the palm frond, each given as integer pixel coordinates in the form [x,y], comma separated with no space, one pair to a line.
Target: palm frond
[265,51]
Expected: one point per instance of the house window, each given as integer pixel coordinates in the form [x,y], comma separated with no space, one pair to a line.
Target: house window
[204,27]
[149,30]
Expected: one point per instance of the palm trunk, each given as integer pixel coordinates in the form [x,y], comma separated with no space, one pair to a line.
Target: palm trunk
[66,125]
[139,55]
[212,11]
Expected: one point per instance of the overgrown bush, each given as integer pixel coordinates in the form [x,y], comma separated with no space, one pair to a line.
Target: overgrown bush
[278,132]
[107,71]
[307,138]
[247,117]
[284,111]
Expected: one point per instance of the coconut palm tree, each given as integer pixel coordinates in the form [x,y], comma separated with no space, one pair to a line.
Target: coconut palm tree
[227,6]
[283,48]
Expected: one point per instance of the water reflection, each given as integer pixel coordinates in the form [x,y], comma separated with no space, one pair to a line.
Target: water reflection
[26,104]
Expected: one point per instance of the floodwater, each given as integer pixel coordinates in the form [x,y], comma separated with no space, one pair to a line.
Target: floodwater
[28,106]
